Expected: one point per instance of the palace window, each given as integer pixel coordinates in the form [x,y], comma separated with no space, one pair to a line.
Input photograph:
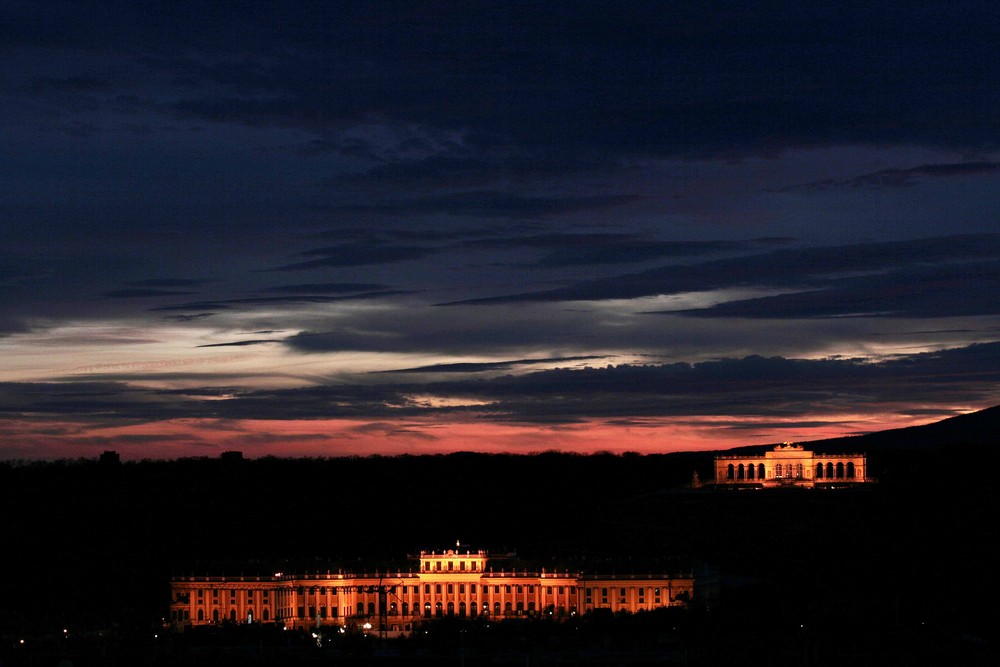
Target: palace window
[427,589]
[437,588]
[474,565]
[451,608]
[461,588]
[850,469]
[777,470]
[461,609]
[730,472]
[819,471]
[371,608]
[451,566]
[750,471]
[520,589]
[472,588]
[406,609]
[506,589]
[451,589]
[548,590]
[461,566]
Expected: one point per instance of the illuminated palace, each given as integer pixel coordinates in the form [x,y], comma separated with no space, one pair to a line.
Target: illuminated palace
[791,465]
[448,583]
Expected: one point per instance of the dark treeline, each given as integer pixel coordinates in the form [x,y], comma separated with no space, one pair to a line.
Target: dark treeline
[93,544]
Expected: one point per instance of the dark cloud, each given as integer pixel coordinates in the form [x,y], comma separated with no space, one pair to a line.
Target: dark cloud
[143,292]
[479,367]
[492,205]
[952,290]
[565,249]
[752,386]
[240,343]
[357,254]
[794,269]
[639,77]
[893,178]
[249,302]
[328,288]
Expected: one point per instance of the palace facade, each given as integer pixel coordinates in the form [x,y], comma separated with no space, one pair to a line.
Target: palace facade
[447,583]
[789,464]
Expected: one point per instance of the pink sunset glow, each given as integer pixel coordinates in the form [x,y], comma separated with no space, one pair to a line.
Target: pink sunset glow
[336,438]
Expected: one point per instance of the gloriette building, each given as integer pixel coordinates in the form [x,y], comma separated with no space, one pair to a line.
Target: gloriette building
[447,583]
[789,464]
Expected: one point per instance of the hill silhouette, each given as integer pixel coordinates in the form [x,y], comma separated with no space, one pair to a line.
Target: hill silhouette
[976,429]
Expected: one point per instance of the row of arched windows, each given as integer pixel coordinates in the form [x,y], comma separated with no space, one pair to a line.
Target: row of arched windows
[830,470]
[840,471]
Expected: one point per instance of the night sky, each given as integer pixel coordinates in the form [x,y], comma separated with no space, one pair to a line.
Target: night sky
[346,228]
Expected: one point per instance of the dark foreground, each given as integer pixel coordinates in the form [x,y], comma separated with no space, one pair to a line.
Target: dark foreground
[900,573]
